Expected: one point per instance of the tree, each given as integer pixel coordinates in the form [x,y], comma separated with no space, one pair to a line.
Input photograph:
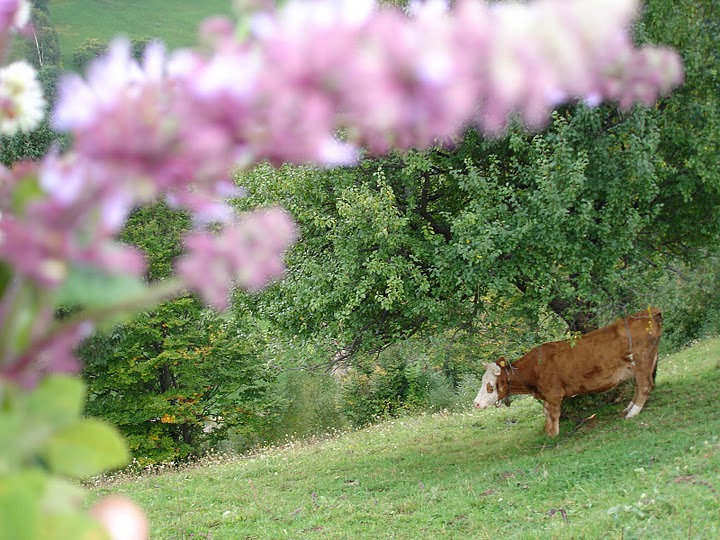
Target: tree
[43,45]
[167,374]
[690,128]
[430,240]
[572,221]
[176,379]
[41,5]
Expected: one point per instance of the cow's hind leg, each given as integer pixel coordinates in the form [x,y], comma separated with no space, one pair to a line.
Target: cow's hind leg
[644,384]
[552,417]
[627,409]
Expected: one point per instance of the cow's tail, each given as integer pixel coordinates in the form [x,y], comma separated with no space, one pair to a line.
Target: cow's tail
[655,368]
[658,320]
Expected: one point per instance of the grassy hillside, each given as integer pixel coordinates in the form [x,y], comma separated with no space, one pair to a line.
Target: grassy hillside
[173,21]
[481,474]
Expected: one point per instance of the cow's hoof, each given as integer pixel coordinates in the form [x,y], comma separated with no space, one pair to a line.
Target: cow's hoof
[634,411]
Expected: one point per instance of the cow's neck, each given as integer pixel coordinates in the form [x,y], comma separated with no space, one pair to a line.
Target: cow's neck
[521,379]
[517,384]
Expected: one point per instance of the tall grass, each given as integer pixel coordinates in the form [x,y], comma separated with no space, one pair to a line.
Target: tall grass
[472,474]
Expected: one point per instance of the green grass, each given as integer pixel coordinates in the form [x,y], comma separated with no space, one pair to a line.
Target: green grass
[173,21]
[481,474]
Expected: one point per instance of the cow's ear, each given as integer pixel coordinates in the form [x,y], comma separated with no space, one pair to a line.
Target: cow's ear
[501,362]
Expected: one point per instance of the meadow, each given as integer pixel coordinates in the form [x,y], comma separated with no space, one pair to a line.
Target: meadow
[473,474]
[175,22]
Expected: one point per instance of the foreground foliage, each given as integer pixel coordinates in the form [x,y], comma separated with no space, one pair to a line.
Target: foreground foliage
[472,475]
[56,444]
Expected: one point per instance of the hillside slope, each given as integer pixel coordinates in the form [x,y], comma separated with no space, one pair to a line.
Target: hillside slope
[481,474]
[175,22]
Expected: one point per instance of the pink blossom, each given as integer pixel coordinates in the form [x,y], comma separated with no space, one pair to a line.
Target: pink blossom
[64,227]
[247,253]
[387,80]
[34,251]
[121,116]
[43,246]
[137,123]
[52,354]
[14,14]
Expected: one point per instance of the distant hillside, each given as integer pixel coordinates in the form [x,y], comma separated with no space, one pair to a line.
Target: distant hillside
[173,21]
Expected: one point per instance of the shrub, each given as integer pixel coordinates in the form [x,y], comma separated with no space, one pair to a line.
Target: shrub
[399,380]
[375,389]
[690,298]
[310,405]
[88,50]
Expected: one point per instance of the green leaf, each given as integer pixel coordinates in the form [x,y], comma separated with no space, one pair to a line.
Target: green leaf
[10,454]
[75,525]
[85,448]
[90,287]
[5,276]
[57,401]
[62,515]
[20,506]
[25,191]
[62,496]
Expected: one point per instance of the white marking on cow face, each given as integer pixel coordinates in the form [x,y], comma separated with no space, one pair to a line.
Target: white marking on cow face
[488,393]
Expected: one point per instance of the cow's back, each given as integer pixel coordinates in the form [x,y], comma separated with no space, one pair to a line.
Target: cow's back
[598,360]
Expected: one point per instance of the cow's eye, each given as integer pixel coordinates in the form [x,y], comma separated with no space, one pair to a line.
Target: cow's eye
[489,388]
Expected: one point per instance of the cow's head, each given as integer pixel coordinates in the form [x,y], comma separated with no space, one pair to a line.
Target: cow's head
[495,385]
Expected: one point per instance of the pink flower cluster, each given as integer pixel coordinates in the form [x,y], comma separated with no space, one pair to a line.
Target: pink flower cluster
[247,252]
[384,80]
[314,82]
[72,219]
[14,15]
[320,67]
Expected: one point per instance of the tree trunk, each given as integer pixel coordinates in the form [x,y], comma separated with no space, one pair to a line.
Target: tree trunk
[577,315]
[167,379]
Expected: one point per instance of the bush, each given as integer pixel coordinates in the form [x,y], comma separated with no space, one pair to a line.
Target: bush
[310,404]
[398,380]
[690,299]
[375,390]
[467,389]
[88,50]
[91,48]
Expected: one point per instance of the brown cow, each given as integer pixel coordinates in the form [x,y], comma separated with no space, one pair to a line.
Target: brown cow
[595,362]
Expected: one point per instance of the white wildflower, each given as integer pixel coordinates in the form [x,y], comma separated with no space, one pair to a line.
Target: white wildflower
[22,104]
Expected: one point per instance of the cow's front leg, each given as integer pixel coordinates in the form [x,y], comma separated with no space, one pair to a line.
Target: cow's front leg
[552,417]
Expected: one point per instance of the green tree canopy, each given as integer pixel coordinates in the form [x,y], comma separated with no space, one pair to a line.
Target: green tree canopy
[575,221]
